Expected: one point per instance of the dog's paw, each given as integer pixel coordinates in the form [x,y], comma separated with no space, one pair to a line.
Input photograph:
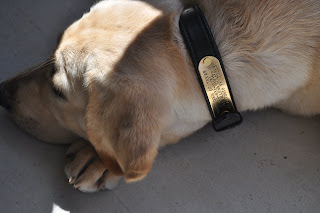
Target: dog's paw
[85,170]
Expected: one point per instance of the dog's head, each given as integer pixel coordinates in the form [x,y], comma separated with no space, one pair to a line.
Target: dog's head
[109,81]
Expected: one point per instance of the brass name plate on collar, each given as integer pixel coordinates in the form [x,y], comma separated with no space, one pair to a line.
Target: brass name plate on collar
[215,86]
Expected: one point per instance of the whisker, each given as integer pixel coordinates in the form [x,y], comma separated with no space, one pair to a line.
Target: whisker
[26,73]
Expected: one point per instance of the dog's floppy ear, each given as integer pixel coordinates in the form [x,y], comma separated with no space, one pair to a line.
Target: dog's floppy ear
[129,103]
[123,124]
[136,133]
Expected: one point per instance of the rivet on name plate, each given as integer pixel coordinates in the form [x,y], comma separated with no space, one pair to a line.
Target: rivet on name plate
[207,62]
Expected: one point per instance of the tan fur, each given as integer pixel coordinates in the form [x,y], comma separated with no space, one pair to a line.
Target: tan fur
[131,88]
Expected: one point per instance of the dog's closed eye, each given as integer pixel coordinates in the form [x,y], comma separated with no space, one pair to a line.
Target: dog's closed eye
[53,70]
[58,93]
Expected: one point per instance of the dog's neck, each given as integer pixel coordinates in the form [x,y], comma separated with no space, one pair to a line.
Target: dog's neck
[246,40]
[180,41]
[228,44]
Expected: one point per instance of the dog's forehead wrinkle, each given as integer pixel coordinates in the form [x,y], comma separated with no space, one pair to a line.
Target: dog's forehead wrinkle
[70,65]
[61,81]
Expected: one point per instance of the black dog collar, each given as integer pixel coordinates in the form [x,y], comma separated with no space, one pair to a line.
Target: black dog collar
[210,70]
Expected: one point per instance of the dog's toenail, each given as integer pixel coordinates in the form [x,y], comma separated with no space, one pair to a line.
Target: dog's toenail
[76,185]
[71,180]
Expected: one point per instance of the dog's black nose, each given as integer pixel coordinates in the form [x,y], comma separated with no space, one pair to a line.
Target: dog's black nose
[4,96]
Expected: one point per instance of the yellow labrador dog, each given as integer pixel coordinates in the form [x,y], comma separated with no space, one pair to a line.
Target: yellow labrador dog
[122,79]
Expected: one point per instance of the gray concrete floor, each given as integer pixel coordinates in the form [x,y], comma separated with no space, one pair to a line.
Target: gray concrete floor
[270,163]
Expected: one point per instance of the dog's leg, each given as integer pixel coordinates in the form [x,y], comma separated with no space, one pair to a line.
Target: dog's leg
[85,170]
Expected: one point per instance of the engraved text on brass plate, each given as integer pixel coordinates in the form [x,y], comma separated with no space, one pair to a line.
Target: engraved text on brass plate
[215,86]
